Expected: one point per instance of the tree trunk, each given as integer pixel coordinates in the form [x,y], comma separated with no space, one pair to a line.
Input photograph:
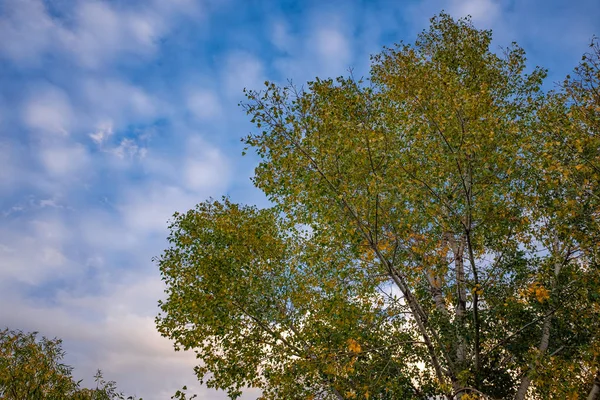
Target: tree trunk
[435,283]
[545,340]
[461,306]
[595,392]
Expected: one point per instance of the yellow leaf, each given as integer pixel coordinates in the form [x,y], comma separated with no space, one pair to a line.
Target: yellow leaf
[542,294]
[353,346]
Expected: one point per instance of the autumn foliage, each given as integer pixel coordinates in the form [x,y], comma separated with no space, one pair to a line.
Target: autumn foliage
[32,368]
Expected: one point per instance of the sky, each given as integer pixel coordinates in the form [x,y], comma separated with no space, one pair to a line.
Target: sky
[116,114]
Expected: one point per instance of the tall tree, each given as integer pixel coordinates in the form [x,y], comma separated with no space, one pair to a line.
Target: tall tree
[433,232]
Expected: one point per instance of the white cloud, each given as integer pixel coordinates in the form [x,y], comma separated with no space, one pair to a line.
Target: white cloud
[483,11]
[242,70]
[323,47]
[99,32]
[147,209]
[9,168]
[26,30]
[178,185]
[206,170]
[51,231]
[48,110]
[485,14]
[281,36]
[116,100]
[49,203]
[204,104]
[113,331]
[37,264]
[333,50]
[128,149]
[103,132]
[106,232]
[103,33]
[119,323]
[33,252]
[64,160]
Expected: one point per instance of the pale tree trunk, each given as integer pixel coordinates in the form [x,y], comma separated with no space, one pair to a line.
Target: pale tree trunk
[461,306]
[435,286]
[545,340]
[523,387]
[436,282]
[458,247]
[526,381]
[420,319]
[595,392]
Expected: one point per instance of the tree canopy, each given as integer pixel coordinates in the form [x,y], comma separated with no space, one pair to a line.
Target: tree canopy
[32,369]
[434,230]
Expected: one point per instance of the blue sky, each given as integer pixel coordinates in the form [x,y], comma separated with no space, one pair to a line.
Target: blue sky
[115,114]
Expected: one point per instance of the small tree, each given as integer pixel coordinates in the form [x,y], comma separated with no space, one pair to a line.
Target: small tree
[33,369]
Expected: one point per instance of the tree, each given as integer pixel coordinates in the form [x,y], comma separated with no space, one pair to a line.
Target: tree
[33,369]
[434,231]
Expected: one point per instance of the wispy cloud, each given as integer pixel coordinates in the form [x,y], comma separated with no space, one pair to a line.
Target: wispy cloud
[242,70]
[48,110]
[103,132]
[64,161]
[204,104]
[90,33]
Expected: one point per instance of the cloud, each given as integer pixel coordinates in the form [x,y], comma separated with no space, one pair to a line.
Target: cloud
[204,104]
[77,234]
[124,149]
[48,110]
[103,231]
[128,149]
[26,30]
[33,251]
[64,160]
[330,41]
[201,171]
[281,37]
[146,210]
[103,33]
[206,169]
[242,70]
[49,203]
[126,343]
[321,46]
[57,117]
[111,99]
[97,33]
[333,48]
[483,11]
[104,131]
[9,166]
